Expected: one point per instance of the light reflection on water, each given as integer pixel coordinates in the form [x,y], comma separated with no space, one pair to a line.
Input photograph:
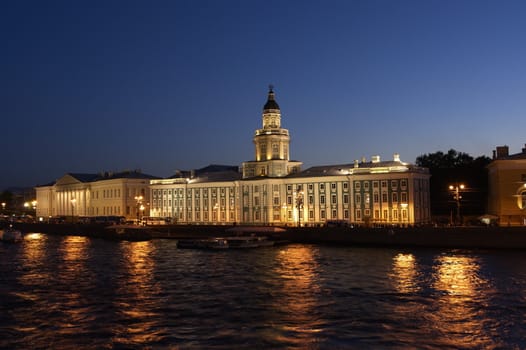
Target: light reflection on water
[70,292]
[298,270]
[137,283]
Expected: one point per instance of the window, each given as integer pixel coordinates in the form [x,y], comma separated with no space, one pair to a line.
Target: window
[403,197]
[376,197]
[357,185]
[311,214]
[346,186]
[346,214]
[358,199]
[522,200]
[311,199]
[322,187]
[345,199]
[358,214]
[311,187]
[394,197]
[276,200]
[334,214]
[322,214]
[366,186]
[322,199]
[377,214]
[333,186]
[394,184]
[333,199]
[403,184]
[275,151]
[375,184]
[384,197]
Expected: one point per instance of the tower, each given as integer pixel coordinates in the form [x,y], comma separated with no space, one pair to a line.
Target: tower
[272,145]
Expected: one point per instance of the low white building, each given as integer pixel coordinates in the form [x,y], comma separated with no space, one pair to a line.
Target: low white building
[124,194]
[272,189]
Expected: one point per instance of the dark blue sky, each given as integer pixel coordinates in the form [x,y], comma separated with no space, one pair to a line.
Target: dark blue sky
[89,86]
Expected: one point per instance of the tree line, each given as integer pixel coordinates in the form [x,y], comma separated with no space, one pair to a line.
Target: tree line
[453,169]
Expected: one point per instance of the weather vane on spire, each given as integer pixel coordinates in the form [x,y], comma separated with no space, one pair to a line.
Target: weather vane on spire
[271,87]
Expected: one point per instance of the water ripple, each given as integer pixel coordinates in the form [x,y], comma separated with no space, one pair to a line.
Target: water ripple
[76,292]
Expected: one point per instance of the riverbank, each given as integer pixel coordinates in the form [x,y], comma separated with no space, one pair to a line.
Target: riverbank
[473,237]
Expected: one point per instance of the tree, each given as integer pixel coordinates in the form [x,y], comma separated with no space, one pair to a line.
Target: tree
[454,168]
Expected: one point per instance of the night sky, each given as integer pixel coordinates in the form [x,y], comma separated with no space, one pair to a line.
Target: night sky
[91,86]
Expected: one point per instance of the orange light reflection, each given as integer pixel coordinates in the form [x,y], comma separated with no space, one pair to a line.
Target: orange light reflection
[462,291]
[298,273]
[404,274]
[138,292]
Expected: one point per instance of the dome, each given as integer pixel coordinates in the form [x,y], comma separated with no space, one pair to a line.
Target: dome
[271,103]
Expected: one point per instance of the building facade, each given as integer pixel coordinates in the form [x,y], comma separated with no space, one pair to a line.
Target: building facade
[272,189]
[124,194]
[507,187]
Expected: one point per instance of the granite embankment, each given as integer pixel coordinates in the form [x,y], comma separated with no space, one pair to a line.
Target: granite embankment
[439,237]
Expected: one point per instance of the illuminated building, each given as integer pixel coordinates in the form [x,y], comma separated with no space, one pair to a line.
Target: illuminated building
[507,187]
[272,189]
[106,194]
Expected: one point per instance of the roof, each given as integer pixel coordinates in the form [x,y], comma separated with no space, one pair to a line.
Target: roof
[271,102]
[82,177]
[212,168]
[358,168]
[217,176]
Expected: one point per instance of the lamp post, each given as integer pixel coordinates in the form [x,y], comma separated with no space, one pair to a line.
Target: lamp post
[3,207]
[73,201]
[299,204]
[216,213]
[456,189]
[139,199]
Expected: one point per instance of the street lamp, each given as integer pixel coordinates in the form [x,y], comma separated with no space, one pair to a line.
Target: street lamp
[456,195]
[73,201]
[139,206]
[299,204]
[3,207]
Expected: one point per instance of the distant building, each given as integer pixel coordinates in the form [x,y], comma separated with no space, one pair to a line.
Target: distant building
[272,189]
[107,194]
[507,187]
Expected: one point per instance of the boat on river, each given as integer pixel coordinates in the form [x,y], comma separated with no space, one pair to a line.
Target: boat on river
[234,242]
[204,243]
[251,241]
[128,233]
[10,235]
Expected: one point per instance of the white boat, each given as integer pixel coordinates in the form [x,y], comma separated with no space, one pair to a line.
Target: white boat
[252,241]
[235,242]
[10,235]
[205,243]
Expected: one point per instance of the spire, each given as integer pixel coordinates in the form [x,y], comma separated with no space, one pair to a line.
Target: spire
[271,102]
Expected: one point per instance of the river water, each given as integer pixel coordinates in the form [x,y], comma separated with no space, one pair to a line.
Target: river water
[69,292]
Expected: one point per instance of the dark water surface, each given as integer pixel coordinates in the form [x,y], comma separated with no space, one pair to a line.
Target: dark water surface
[81,293]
